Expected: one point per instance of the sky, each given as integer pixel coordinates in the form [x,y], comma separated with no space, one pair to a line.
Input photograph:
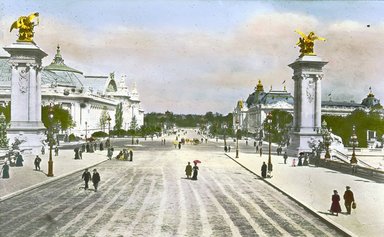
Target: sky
[192,57]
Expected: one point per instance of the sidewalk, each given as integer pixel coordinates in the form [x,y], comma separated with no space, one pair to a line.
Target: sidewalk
[25,178]
[313,187]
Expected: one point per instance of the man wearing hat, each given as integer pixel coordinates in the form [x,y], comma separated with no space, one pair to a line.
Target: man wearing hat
[95,179]
[348,199]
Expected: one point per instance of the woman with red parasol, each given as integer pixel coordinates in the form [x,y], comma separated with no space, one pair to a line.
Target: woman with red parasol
[195,169]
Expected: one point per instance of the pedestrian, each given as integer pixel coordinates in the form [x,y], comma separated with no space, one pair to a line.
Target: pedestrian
[300,163]
[101,146]
[229,148]
[195,172]
[348,199]
[5,171]
[76,150]
[80,154]
[225,149]
[285,157]
[42,150]
[179,145]
[95,179]
[56,151]
[37,163]
[294,162]
[86,177]
[188,170]
[335,207]
[264,170]
[19,159]
[261,151]
[110,153]
[130,155]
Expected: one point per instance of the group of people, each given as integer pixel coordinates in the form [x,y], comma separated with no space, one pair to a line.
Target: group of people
[189,169]
[95,177]
[123,155]
[349,201]
[16,161]
[227,148]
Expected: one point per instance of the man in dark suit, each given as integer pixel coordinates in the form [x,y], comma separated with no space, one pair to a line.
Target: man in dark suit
[86,177]
[95,179]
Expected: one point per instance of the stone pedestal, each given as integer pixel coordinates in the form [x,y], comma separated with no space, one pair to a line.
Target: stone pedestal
[26,122]
[307,74]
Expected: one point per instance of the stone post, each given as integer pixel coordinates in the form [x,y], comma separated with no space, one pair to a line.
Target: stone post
[307,76]
[26,122]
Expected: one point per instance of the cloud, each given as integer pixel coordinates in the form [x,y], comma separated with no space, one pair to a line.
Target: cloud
[194,71]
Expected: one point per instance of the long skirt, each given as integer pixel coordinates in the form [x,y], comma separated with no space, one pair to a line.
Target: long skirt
[335,207]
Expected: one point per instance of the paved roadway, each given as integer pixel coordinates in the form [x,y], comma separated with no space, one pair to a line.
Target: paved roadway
[151,197]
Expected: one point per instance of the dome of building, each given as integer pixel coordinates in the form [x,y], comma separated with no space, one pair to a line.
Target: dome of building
[70,76]
[370,100]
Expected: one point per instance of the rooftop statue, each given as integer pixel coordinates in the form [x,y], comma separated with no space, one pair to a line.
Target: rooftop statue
[25,25]
[306,42]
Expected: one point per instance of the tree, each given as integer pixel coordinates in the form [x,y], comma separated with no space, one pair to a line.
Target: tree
[281,122]
[342,126]
[61,117]
[6,110]
[119,116]
[3,132]
[104,118]
[132,129]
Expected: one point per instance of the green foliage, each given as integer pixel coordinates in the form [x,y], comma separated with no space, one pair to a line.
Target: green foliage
[153,122]
[61,117]
[99,134]
[134,125]
[119,116]
[119,132]
[6,111]
[72,137]
[342,126]
[280,126]
[104,118]
[3,132]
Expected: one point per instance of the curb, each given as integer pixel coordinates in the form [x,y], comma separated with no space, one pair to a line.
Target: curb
[46,182]
[338,227]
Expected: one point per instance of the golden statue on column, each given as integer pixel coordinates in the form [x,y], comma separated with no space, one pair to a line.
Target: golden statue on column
[25,24]
[306,42]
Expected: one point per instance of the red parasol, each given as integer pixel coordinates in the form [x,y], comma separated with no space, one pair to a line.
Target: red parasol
[196,161]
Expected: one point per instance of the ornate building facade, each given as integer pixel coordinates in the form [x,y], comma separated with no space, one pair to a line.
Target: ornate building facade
[259,103]
[87,98]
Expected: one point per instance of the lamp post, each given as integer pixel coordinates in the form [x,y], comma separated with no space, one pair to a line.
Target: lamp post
[327,139]
[109,126]
[50,141]
[225,133]
[86,131]
[237,135]
[269,121]
[354,142]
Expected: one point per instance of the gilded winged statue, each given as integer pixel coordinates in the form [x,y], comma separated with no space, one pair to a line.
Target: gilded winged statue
[306,42]
[25,24]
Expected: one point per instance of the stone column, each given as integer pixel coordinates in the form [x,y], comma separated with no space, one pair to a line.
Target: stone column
[26,122]
[307,75]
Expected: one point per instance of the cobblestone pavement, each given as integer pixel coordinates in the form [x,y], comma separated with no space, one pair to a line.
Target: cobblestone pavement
[151,197]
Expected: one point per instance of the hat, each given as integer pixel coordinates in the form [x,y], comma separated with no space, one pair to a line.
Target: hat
[347,187]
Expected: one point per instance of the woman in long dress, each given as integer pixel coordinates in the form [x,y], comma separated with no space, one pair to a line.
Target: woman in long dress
[195,172]
[5,171]
[335,207]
